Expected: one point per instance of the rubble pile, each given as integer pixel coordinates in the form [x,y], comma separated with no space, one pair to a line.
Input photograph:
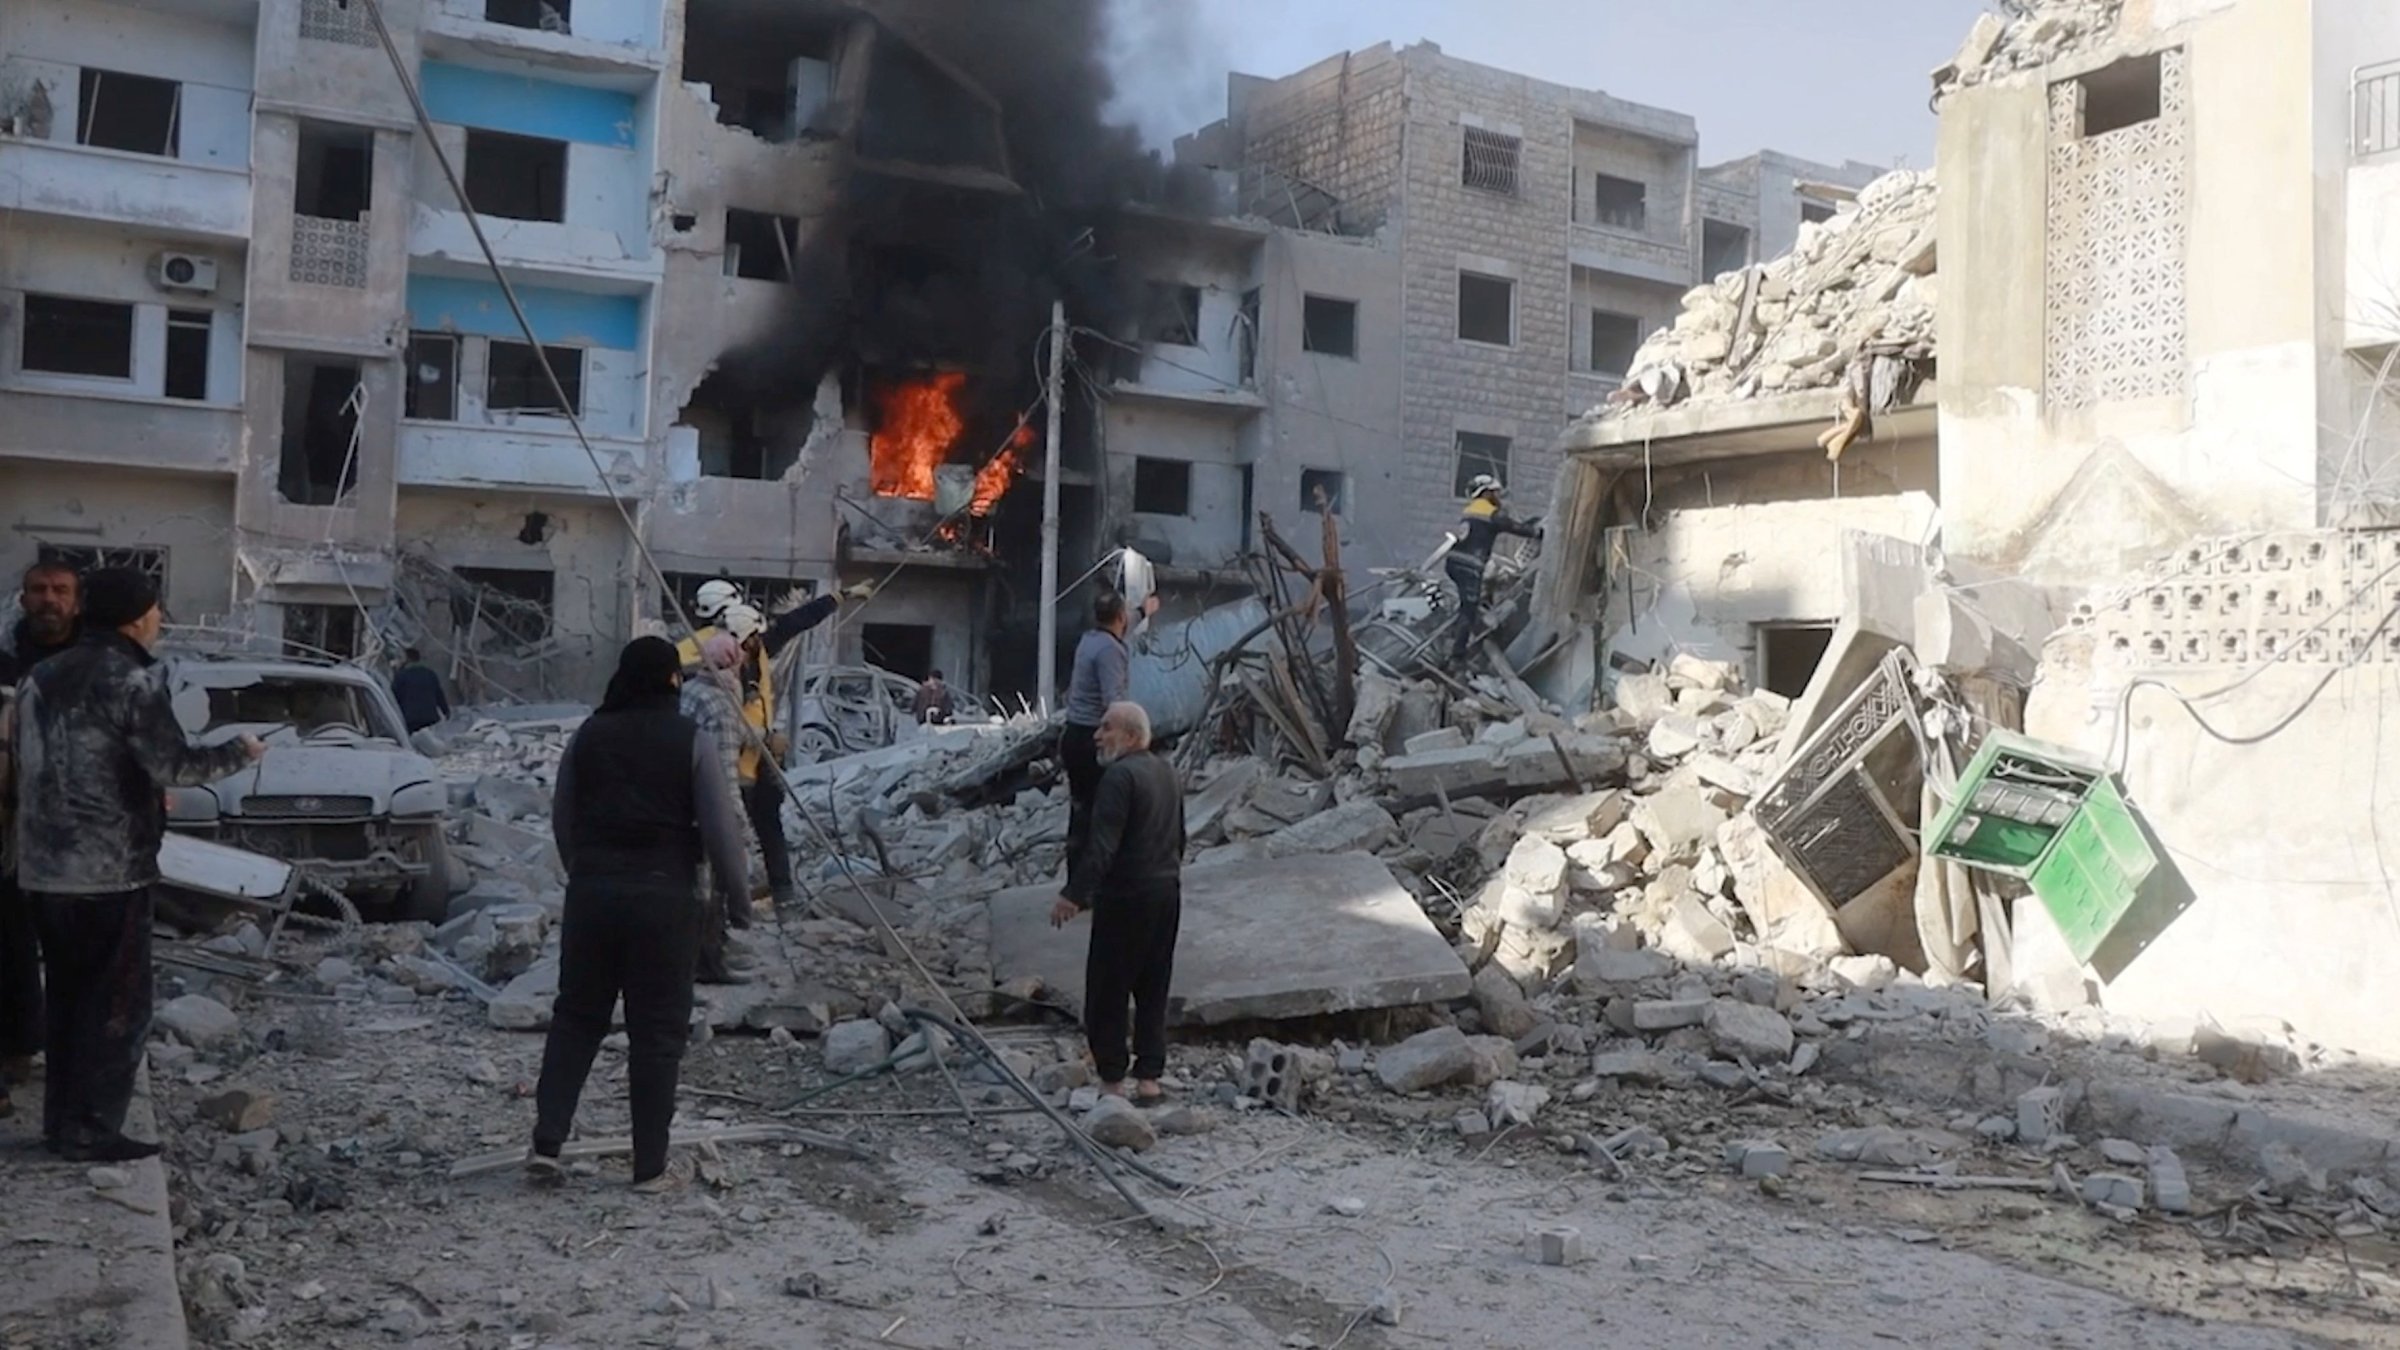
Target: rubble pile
[1853,301]
[2028,35]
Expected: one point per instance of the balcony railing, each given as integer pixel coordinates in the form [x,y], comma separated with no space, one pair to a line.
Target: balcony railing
[2375,109]
[329,252]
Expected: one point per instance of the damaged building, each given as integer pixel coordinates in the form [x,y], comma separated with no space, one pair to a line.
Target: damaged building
[2120,485]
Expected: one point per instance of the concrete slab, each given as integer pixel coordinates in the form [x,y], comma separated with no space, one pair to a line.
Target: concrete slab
[1291,937]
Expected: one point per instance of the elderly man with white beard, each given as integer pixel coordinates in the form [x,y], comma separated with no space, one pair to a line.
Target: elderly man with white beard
[1129,874]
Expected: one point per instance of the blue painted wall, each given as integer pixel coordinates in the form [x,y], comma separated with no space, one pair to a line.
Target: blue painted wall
[528,107]
[571,317]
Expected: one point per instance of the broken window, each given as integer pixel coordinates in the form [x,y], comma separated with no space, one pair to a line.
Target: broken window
[187,353]
[1488,161]
[1724,247]
[1247,334]
[431,377]
[1814,212]
[2125,94]
[769,70]
[758,246]
[511,603]
[1330,483]
[1487,309]
[335,171]
[1162,487]
[1479,454]
[1788,654]
[321,630]
[515,381]
[516,177]
[901,648]
[319,456]
[1329,326]
[550,16]
[130,112]
[1173,316]
[1615,339]
[732,442]
[77,337]
[1620,203]
[87,559]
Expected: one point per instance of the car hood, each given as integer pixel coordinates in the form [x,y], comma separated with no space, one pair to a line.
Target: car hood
[388,782]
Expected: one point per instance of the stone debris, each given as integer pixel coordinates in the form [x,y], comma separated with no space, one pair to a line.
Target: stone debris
[2041,1113]
[1426,1060]
[200,1022]
[1557,1245]
[2112,1190]
[2170,1188]
[1118,1123]
[1756,1159]
[855,1047]
[2034,34]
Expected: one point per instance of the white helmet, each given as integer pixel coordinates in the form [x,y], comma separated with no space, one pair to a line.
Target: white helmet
[714,597]
[1482,484]
[743,622]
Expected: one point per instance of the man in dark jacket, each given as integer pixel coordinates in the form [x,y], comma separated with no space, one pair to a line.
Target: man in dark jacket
[49,597]
[1130,876]
[418,691]
[1481,523]
[97,745]
[641,801]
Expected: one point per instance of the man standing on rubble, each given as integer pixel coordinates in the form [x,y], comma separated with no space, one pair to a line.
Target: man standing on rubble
[641,801]
[1102,673]
[933,707]
[1129,874]
[418,691]
[1481,523]
[97,745]
[712,698]
[49,597]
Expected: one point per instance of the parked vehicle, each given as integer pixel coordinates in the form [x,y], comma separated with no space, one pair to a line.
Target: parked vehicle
[340,790]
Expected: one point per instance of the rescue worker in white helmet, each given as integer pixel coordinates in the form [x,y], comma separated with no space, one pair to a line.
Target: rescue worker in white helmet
[1481,523]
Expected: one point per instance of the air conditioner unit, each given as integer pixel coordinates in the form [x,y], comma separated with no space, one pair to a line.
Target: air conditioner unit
[183,272]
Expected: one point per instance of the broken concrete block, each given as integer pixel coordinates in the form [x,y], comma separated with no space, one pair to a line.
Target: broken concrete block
[1758,1158]
[2288,1173]
[1602,969]
[1674,736]
[1510,1103]
[1720,772]
[1428,742]
[2123,1152]
[511,799]
[1868,974]
[2170,1189]
[200,1022]
[252,1152]
[1501,1001]
[1748,1032]
[1270,1075]
[1361,826]
[1578,819]
[1634,1066]
[1376,703]
[1675,821]
[1490,1059]
[1701,673]
[1459,771]
[1557,1245]
[1118,1123]
[1545,761]
[2041,1113]
[1425,1060]
[1875,1146]
[857,1046]
[2113,1190]
[239,1110]
[1694,934]
[1666,1014]
[1471,1123]
[1759,986]
[1204,811]
[1646,698]
[524,1004]
[1784,911]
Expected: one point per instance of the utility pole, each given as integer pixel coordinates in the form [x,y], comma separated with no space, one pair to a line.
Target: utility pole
[1048,656]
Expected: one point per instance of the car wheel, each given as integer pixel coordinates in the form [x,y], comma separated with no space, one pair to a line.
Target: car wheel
[427,900]
[814,745]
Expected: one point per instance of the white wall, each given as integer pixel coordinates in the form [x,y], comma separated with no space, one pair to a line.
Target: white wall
[80,506]
[97,263]
[54,41]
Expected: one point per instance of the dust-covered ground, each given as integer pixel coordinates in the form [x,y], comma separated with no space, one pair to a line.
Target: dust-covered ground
[1366,1219]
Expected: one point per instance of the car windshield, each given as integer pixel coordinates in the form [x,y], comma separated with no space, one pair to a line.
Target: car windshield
[305,705]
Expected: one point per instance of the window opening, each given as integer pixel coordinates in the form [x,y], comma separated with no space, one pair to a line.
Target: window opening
[432,393]
[1724,247]
[1488,161]
[1487,309]
[1788,654]
[516,382]
[130,112]
[1479,454]
[1620,203]
[187,353]
[319,460]
[760,247]
[549,16]
[1329,326]
[1174,315]
[516,177]
[77,337]
[1162,487]
[321,630]
[904,649]
[335,172]
[1335,487]
[512,603]
[2124,94]
[1615,340]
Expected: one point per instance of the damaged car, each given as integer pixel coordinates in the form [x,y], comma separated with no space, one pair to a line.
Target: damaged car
[847,710]
[340,791]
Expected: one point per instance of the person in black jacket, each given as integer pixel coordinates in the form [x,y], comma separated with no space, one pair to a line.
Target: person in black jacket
[418,691]
[49,600]
[97,745]
[641,800]
[1481,523]
[1130,876]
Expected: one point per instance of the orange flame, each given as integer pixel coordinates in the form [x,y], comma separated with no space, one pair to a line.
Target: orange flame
[918,425]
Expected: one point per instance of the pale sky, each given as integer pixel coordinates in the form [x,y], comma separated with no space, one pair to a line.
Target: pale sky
[1826,79]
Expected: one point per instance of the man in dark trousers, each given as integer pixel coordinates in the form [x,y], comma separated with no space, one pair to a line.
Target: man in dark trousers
[97,745]
[642,799]
[418,691]
[1098,678]
[1481,523]
[49,597]
[1130,876]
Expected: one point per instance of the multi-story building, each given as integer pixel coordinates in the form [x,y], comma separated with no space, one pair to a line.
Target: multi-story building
[1460,259]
